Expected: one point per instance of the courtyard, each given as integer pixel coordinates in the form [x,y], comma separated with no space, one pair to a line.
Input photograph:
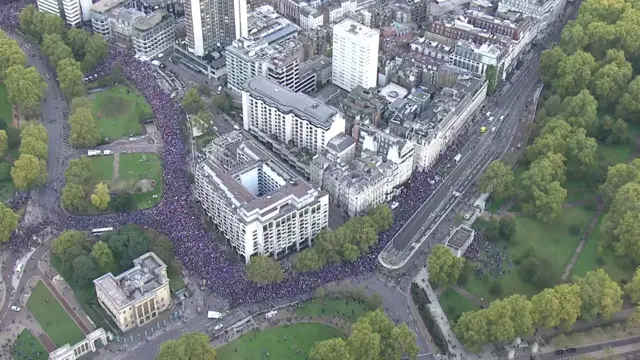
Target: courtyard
[119,112]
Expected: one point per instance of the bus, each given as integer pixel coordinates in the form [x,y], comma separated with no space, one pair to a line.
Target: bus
[483,130]
[100,231]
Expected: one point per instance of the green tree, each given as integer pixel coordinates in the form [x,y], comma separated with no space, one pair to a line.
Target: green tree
[77,40]
[492,79]
[126,244]
[78,171]
[581,151]
[55,49]
[85,270]
[100,197]
[192,103]
[363,342]
[618,226]
[95,51]
[628,236]
[12,54]
[27,20]
[68,239]
[618,175]
[8,222]
[332,349]
[84,129]
[203,120]
[472,329]
[382,217]
[507,226]
[35,147]
[307,260]
[67,258]
[264,270]
[123,202]
[540,191]
[25,89]
[222,102]
[103,257]
[33,130]
[600,35]
[633,287]
[634,319]
[73,197]
[5,171]
[350,252]
[49,24]
[550,61]
[444,267]
[499,317]
[629,106]
[546,308]
[498,180]
[190,346]
[574,73]
[70,78]
[610,83]
[81,102]
[599,294]
[28,171]
[4,143]
[521,314]
[580,111]
[570,303]
[574,38]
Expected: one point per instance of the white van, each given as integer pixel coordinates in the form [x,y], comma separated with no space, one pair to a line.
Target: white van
[491,119]
[19,268]
[493,129]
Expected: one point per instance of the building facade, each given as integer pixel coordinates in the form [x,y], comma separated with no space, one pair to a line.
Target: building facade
[136,296]
[275,113]
[261,206]
[214,24]
[477,59]
[355,55]
[71,11]
[100,16]
[153,34]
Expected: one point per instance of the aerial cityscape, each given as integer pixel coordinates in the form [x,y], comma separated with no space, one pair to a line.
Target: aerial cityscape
[322,180]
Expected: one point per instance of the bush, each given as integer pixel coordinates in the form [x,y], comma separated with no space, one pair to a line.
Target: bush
[122,202]
[13,138]
[575,229]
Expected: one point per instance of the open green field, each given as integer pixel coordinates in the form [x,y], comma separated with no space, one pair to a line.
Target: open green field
[288,342]
[552,241]
[117,112]
[52,317]
[455,304]
[588,259]
[348,310]
[28,347]
[136,167]
[102,169]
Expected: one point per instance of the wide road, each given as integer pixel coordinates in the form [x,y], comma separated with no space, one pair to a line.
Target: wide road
[481,149]
[589,349]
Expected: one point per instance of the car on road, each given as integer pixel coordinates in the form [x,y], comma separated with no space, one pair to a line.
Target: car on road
[15,308]
[559,352]
[571,350]
[218,327]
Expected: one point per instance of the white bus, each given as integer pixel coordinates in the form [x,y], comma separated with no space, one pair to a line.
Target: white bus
[214,315]
[100,231]
[94,152]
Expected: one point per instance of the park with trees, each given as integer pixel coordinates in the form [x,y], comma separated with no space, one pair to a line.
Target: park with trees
[576,184]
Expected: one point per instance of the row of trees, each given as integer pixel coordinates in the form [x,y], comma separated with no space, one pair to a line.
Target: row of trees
[30,170]
[84,129]
[357,236]
[595,294]
[83,259]
[373,337]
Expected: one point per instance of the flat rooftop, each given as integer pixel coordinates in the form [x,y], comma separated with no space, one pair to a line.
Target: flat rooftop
[145,277]
[148,22]
[460,236]
[287,101]
[104,6]
[356,29]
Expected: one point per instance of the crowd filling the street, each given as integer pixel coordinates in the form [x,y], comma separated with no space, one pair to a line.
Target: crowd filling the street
[195,246]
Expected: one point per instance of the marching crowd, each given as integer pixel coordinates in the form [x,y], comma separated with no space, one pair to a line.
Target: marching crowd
[176,215]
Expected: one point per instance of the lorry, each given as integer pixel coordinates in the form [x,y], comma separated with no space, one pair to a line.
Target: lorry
[214,315]
[94,152]
[457,158]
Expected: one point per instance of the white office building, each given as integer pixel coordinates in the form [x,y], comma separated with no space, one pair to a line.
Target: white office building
[273,112]
[355,55]
[71,11]
[260,205]
[477,59]
[542,10]
[153,34]
[213,24]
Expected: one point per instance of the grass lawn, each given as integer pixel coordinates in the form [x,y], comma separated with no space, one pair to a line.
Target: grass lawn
[552,241]
[28,347]
[204,139]
[455,304]
[116,112]
[176,283]
[289,342]
[52,317]
[348,310]
[102,169]
[135,167]
[6,111]
[610,263]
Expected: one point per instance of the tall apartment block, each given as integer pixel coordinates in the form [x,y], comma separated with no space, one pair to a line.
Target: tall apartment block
[71,11]
[355,55]
[212,24]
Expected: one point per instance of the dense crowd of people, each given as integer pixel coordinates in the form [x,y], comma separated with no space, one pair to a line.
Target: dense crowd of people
[176,214]
[489,259]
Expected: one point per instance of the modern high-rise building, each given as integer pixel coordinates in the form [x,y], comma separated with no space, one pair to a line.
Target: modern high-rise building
[355,55]
[153,34]
[213,24]
[71,11]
